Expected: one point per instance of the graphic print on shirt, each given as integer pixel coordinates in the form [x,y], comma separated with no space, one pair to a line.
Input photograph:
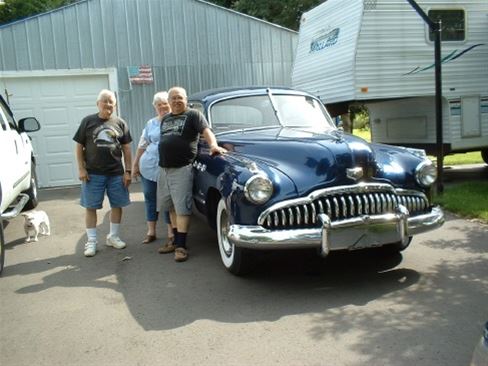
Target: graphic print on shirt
[173,126]
[107,137]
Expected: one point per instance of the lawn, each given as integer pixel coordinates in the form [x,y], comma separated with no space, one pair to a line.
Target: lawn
[468,199]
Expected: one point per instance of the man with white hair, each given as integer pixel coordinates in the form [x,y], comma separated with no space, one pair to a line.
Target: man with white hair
[180,132]
[102,140]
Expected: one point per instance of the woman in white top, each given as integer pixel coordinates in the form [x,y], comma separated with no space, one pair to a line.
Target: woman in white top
[146,166]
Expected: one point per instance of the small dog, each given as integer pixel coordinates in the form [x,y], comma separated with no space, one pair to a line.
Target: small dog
[36,222]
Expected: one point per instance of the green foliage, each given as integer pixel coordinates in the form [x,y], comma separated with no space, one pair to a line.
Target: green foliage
[13,10]
[359,116]
[469,199]
[286,13]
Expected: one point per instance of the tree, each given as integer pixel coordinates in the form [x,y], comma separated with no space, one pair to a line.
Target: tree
[286,13]
[13,10]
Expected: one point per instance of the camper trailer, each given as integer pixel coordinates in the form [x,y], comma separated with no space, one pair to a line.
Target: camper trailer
[380,53]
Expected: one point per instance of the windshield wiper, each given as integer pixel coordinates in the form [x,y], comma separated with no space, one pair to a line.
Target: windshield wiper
[275,110]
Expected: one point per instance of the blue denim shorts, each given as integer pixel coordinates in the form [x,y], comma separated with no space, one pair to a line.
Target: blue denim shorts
[93,191]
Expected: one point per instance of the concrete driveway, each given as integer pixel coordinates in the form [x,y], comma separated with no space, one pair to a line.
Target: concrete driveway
[138,307]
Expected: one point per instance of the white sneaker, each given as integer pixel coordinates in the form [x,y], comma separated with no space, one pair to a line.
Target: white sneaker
[90,248]
[114,241]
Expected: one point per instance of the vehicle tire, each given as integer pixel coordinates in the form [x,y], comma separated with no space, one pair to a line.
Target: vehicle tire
[238,261]
[484,155]
[32,191]
[396,247]
[2,247]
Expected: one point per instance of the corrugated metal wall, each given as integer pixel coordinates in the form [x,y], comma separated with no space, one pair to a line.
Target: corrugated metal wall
[187,42]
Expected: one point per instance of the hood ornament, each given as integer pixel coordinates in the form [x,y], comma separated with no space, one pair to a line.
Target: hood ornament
[355,173]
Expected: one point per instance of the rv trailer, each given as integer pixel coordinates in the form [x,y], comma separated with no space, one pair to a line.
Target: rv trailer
[380,53]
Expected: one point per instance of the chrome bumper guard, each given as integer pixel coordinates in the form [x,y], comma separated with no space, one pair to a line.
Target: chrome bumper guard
[16,209]
[361,232]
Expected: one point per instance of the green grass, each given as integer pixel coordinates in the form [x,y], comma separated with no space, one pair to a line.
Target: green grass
[466,158]
[468,199]
[365,134]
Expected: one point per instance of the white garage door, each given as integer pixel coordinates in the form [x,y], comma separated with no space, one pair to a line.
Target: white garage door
[59,103]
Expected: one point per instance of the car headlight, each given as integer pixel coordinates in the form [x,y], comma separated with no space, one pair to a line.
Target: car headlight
[426,173]
[258,189]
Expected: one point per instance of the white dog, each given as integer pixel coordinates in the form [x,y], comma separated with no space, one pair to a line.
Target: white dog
[36,222]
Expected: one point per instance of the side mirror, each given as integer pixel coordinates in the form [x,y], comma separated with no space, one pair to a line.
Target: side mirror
[29,124]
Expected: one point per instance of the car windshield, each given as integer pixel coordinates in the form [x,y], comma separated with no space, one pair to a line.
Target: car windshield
[269,110]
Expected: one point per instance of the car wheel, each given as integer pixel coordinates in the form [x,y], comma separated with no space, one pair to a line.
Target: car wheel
[396,247]
[32,191]
[2,247]
[237,260]
[484,155]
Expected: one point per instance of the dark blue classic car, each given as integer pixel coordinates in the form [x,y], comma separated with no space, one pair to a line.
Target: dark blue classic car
[291,179]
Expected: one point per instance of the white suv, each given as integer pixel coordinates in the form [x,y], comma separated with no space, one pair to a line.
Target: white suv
[18,180]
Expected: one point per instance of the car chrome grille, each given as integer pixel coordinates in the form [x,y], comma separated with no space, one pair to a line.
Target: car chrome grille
[342,203]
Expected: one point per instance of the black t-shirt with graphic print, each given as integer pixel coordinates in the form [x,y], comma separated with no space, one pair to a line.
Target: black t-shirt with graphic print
[179,138]
[102,140]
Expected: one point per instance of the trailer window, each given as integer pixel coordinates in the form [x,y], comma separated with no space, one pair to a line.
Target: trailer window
[453,24]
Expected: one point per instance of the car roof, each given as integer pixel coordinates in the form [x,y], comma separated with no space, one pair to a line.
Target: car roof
[207,96]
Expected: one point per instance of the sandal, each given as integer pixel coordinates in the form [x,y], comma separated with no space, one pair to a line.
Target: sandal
[149,239]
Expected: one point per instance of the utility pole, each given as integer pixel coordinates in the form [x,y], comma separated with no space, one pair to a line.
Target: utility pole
[436,28]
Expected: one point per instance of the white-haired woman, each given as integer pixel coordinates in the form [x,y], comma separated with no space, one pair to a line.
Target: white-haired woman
[146,166]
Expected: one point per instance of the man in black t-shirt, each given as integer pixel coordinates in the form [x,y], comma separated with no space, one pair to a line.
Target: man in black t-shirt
[102,140]
[180,132]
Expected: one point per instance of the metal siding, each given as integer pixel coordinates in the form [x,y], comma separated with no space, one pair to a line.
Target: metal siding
[85,35]
[190,43]
[8,49]
[60,42]
[72,32]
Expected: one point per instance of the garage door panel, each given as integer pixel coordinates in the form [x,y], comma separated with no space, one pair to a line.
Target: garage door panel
[55,117]
[61,173]
[59,103]
[24,112]
[19,91]
[84,87]
[58,144]
[52,87]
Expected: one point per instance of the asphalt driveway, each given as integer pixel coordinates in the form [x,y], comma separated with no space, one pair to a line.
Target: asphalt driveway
[138,307]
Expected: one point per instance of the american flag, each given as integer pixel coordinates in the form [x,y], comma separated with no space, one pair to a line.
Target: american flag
[140,74]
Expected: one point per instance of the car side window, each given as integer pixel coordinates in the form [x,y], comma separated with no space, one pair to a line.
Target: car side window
[197,106]
[5,118]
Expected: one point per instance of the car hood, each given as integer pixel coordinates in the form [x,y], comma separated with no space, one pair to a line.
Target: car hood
[310,159]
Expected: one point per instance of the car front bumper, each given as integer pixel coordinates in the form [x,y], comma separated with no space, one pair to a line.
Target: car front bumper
[361,232]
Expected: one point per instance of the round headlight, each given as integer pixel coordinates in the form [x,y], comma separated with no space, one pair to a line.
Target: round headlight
[426,173]
[258,189]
